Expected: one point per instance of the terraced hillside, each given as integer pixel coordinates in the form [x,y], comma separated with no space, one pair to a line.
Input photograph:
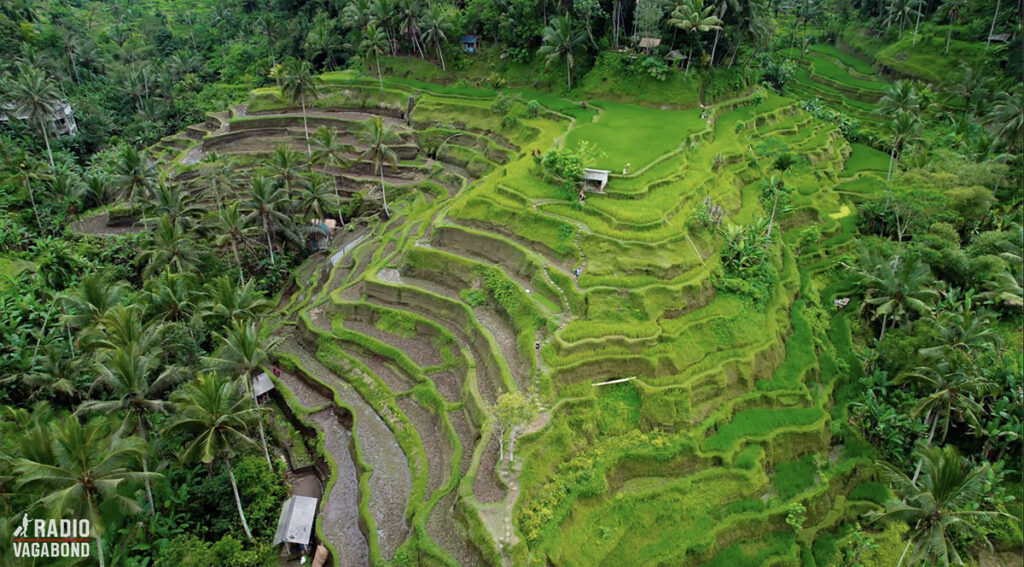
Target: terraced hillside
[488,278]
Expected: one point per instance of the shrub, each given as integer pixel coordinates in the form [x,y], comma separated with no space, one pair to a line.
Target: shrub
[501,105]
[532,108]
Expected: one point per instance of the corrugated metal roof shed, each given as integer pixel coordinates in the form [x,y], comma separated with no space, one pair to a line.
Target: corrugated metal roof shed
[296,522]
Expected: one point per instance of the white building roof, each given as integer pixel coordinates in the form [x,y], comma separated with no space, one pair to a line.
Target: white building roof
[296,522]
[262,384]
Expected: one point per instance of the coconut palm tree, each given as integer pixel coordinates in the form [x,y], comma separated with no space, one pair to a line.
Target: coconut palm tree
[330,152]
[377,136]
[894,287]
[231,226]
[559,40]
[265,205]
[1007,118]
[227,302]
[123,327]
[954,15]
[36,98]
[950,388]
[177,204]
[98,188]
[169,247]
[55,371]
[315,197]
[244,349]
[216,415]
[944,501]
[901,96]
[28,173]
[220,175]
[992,28]
[693,17]
[971,86]
[905,128]
[436,25]
[90,469]
[284,165]
[132,378]
[135,175]
[299,85]
[172,297]
[86,305]
[373,44]
[409,14]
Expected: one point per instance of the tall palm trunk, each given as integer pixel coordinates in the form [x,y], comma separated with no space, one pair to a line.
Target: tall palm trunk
[99,549]
[991,29]
[238,261]
[949,35]
[892,161]
[238,501]
[885,320]
[917,24]
[263,437]
[145,466]
[383,191]
[32,199]
[931,435]
[46,140]
[714,46]
[568,72]
[270,243]
[305,128]
[437,46]
[376,59]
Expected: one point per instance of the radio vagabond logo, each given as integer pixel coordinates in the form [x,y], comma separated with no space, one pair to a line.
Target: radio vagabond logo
[52,538]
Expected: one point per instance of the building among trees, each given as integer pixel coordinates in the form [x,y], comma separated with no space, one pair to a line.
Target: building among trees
[62,121]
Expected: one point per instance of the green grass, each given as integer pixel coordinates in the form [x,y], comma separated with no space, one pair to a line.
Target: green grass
[758,423]
[635,135]
[864,158]
[793,477]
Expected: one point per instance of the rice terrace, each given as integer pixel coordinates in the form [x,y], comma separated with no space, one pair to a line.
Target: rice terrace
[511,283]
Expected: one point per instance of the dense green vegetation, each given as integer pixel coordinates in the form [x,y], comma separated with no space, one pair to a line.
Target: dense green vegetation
[788,331]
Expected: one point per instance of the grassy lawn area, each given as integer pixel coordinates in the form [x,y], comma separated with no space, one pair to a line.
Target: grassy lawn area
[864,158]
[635,135]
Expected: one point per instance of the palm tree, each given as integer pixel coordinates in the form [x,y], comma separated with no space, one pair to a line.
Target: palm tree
[123,327]
[97,188]
[176,204]
[29,172]
[286,166]
[322,39]
[216,415]
[35,98]
[377,137]
[220,174]
[330,152]
[992,28]
[299,85]
[954,15]
[409,14]
[231,225]
[1007,117]
[374,43]
[227,302]
[90,302]
[901,96]
[943,502]
[169,247]
[894,286]
[135,175]
[900,11]
[693,17]
[55,372]
[132,379]
[436,24]
[950,388]
[265,204]
[172,297]
[315,197]
[559,39]
[245,348]
[971,86]
[89,470]
[904,128]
